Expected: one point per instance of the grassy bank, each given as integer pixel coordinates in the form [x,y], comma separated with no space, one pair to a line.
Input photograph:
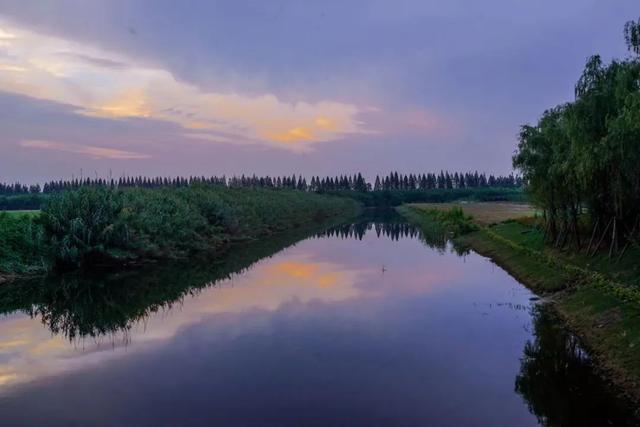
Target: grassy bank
[96,226]
[598,297]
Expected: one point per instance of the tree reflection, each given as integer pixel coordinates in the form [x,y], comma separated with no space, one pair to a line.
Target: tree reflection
[81,305]
[558,381]
[388,223]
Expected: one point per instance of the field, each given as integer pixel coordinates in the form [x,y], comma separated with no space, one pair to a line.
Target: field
[484,213]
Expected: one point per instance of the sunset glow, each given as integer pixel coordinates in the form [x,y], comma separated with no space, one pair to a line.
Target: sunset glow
[317,89]
[101,84]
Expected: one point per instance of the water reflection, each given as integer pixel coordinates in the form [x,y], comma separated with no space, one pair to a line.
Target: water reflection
[390,224]
[557,380]
[79,306]
[62,323]
[360,324]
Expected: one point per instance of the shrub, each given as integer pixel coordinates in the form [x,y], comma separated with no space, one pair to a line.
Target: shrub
[83,225]
[22,244]
[97,225]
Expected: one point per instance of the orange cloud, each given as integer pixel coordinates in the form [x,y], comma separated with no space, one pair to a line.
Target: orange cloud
[325,123]
[4,34]
[129,103]
[69,72]
[95,152]
[14,68]
[293,135]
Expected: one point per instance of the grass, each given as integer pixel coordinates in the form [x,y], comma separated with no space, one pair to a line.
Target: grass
[598,297]
[610,327]
[484,213]
[17,213]
[451,221]
[535,273]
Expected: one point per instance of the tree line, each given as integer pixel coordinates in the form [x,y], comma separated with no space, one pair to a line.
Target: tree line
[444,180]
[580,161]
[356,182]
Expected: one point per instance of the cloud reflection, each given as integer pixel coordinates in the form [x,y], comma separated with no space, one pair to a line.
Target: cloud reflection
[329,270]
[30,351]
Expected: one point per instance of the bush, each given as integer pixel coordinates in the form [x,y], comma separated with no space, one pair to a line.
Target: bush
[22,244]
[83,225]
[454,220]
[97,225]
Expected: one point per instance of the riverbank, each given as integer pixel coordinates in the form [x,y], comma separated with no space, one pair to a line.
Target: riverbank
[598,298]
[96,227]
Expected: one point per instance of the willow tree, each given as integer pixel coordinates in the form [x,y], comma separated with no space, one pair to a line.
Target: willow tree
[632,36]
[586,154]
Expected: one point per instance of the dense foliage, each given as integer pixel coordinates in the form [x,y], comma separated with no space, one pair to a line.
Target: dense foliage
[22,244]
[22,202]
[96,225]
[583,156]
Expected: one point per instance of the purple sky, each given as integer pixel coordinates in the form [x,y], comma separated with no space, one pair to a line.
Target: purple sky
[162,87]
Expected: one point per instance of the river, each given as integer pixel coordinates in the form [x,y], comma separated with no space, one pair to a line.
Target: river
[366,324]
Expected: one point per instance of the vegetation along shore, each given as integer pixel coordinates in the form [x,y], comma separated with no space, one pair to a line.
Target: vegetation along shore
[93,222]
[580,245]
[90,226]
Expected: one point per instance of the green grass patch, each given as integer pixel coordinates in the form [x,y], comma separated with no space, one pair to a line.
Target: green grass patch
[610,327]
[20,213]
[452,221]
[527,236]
[625,270]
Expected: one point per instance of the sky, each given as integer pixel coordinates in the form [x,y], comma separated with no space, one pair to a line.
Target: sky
[161,87]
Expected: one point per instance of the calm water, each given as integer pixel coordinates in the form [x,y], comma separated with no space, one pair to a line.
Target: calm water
[365,325]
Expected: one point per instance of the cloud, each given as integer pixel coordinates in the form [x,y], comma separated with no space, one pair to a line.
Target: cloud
[87,150]
[94,60]
[411,121]
[106,85]
[451,82]
[6,35]
[7,67]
